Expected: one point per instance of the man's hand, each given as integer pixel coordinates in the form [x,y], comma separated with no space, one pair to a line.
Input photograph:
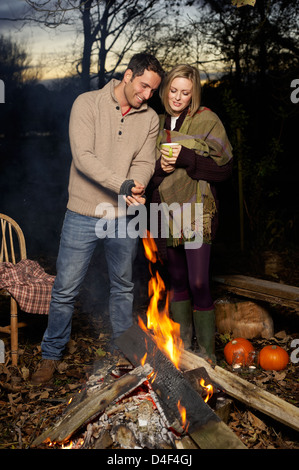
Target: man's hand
[138,189]
[137,193]
[135,200]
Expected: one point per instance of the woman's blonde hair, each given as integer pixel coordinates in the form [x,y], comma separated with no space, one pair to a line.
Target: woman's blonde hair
[182,71]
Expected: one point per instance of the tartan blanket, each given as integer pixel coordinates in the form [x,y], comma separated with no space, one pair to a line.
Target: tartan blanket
[28,284]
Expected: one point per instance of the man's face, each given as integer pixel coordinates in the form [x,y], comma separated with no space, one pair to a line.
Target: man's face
[141,88]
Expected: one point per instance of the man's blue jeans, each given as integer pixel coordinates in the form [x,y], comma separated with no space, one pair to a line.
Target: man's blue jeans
[79,237]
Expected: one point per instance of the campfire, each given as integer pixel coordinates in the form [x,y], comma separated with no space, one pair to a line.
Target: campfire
[166,333]
[146,401]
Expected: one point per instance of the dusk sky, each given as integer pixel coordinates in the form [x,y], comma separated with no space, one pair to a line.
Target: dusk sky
[52,49]
[47,47]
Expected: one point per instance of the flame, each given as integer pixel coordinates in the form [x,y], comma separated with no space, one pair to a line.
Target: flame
[152,376]
[182,411]
[143,359]
[208,388]
[150,248]
[66,445]
[166,332]
[72,444]
[69,446]
[183,414]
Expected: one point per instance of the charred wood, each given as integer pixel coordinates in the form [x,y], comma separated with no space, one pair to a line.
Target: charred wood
[93,405]
[202,424]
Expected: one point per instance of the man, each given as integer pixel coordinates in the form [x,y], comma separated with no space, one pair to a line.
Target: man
[112,136]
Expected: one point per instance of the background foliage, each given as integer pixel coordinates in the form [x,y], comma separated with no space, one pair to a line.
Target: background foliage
[248,58]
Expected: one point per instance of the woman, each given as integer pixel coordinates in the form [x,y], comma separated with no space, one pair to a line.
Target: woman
[187,174]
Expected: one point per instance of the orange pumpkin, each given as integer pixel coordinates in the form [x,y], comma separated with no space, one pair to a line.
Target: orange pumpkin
[237,345]
[273,358]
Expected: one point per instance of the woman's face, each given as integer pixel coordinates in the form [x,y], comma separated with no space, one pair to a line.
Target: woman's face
[180,94]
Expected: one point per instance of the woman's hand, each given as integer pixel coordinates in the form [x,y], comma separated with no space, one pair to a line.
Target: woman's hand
[168,163]
[175,152]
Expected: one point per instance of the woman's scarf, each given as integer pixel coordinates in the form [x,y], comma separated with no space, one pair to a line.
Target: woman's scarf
[205,134]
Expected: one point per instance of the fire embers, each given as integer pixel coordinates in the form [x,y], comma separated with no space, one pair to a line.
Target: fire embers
[133,422]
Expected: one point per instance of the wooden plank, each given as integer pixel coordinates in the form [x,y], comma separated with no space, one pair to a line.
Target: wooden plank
[204,426]
[260,289]
[264,297]
[283,291]
[92,406]
[244,391]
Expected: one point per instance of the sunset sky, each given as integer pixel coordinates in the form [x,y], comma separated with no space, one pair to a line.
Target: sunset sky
[47,47]
[53,51]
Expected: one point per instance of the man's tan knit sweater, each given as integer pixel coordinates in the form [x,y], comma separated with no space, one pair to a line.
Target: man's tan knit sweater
[108,148]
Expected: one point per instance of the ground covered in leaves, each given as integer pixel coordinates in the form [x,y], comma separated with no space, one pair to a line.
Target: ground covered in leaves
[26,411]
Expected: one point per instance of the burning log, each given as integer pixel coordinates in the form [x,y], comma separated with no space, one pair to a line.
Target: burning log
[245,391]
[93,405]
[177,396]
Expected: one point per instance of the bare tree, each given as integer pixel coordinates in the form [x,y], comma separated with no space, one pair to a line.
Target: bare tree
[250,40]
[110,29]
[15,65]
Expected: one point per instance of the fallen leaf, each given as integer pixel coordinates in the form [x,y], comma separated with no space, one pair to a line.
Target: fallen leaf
[73,386]
[100,352]
[72,346]
[281,334]
[62,366]
[242,3]
[279,376]
[33,395]
[256,422]
[25,373]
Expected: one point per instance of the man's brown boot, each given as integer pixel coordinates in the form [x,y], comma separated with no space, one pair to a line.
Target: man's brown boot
[44,372]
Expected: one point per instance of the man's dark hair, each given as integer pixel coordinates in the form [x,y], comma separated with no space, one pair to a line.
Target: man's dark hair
[144,61]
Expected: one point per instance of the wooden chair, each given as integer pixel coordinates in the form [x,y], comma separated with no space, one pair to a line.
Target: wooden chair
[13,250]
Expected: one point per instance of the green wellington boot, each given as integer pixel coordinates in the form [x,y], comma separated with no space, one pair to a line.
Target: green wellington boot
[204,324]
[182,314]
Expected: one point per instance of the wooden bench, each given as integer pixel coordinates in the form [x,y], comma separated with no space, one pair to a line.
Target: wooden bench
[260,289]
